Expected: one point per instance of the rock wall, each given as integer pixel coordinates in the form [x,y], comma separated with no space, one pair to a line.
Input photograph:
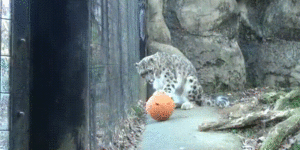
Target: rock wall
[230,41]
[269,37]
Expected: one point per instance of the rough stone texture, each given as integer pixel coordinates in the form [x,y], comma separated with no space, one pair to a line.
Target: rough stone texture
[272,63]
[205,32]
[269,38]
[295,75]
[217,59]
[278,59]
[159,37]
[282,20]
[154,47]
[156,27]
[200,16]
[231,42]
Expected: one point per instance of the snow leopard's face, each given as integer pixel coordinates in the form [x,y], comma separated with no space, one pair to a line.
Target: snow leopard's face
[146,68]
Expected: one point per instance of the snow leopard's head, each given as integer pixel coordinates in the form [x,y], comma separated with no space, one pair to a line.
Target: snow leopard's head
[146,67]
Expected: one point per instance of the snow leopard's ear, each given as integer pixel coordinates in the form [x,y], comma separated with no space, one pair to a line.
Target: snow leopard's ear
[151,60]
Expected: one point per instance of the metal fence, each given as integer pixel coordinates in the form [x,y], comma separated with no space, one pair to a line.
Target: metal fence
[116,38]
[4,80]
[113,81]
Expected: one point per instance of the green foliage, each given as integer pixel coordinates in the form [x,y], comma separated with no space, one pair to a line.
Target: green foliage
[138,111]
[296,147]
[295,102]
[248,132]
[234,131]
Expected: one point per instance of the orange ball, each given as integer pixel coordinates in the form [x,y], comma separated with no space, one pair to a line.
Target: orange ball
[160,106]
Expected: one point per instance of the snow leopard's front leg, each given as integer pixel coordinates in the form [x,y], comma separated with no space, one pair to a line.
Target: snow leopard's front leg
[179,99]
[186,103]
[182,101]
[180,92]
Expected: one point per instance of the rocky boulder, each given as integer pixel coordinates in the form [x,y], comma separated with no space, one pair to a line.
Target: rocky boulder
[269,37]
[232,43]
[205,31]
[156,27]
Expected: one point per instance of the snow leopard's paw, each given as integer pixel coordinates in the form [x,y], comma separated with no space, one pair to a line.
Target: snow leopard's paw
[187,105]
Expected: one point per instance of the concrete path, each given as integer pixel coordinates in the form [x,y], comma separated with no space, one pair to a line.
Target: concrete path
[180,132]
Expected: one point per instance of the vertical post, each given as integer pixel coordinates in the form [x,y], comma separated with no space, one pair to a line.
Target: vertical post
[143,39]
[20,76]
[59,93]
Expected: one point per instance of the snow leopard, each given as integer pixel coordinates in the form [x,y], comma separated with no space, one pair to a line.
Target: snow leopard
[174,75]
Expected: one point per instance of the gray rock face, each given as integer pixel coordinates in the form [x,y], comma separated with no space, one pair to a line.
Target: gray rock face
[269,37]
[154,47]
[230,42]
[204,31]
[272,63]
[200,16]
[295,75]
[282,20]
[156,27]
[217,59]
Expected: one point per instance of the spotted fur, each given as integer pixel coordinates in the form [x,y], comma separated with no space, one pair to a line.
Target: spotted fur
[174,75]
